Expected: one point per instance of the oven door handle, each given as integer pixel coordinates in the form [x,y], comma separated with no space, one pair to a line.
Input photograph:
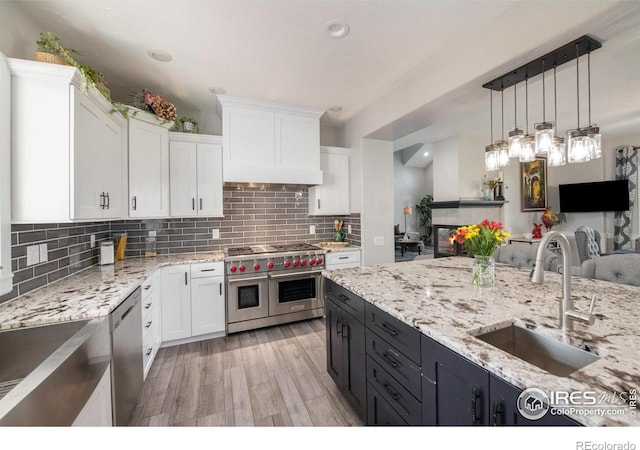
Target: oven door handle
[239,280]
[297,274]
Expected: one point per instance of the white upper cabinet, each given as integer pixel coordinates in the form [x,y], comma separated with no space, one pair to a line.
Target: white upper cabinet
[195,175]
[6,276]
[148,166]
[266,142]
[332,196]
[69,152]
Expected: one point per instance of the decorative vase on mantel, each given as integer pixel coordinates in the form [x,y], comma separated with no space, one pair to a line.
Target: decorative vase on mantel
[484,271]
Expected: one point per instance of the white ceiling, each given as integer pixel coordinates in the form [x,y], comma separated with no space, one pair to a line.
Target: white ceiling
[279,51]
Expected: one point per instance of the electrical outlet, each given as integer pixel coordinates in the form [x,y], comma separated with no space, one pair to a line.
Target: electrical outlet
[44,254]
[33,255]
[152,233]
[312,229]
[349,228]
[215,233]
[93,240]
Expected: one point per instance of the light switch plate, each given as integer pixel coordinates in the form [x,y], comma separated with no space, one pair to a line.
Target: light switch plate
[349,228]
[44,253]
[378,241]
[312,229]
[215,233]
[33,255]
[152,233]
[93,240]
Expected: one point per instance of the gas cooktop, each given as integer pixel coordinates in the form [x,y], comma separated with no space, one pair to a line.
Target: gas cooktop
[271,248]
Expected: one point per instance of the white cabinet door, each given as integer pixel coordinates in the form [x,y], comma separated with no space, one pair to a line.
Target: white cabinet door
[207,305]
[332,196]
[176,302]
[209,174]
[114,156]
[182,175]
[148,169]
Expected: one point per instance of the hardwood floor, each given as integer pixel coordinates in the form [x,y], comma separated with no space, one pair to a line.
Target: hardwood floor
[268,377]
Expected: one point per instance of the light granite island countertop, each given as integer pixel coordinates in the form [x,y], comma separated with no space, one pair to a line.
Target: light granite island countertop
[90,293]
[436,297]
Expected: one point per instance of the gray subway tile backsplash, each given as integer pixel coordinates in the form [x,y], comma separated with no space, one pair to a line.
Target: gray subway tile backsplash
[252,216]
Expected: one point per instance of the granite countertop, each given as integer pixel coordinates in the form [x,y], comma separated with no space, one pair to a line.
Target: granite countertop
[436,297]
[91,293]
[334,248]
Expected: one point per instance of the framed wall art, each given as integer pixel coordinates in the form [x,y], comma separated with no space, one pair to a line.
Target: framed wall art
[533,184]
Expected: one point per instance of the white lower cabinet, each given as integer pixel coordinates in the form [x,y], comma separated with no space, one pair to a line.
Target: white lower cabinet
[97,411]
[193,301]
[342,260]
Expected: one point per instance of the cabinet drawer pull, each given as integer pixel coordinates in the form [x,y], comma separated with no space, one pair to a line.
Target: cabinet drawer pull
[108,200]
[185,279]
[149,350]
[148,324]
[476,406]
[389,329]
[394,395]
[318,203]
[193,204]
[134,203]
[207,270]
[220,288]
[147,287]
[497,413]
[147,306]
[201,204]
[102,200]
[344,297]
[338,327]
[390,360]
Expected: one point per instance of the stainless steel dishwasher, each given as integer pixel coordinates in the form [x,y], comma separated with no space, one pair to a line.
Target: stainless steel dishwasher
[126,356]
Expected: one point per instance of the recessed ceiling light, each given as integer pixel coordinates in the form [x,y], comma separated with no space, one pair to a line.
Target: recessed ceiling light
[218,90]
[336,108]
[159,55]
[426,153]
[337,29]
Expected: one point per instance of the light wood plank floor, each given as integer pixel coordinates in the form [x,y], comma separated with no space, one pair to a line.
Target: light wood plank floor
[268,377]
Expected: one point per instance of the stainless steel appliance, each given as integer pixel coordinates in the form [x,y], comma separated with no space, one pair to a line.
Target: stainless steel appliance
[126,353]
[273,284]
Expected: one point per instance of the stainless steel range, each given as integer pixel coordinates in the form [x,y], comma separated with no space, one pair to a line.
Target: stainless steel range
[273,284]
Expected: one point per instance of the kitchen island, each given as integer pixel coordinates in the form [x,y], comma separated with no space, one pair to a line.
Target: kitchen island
[436,298]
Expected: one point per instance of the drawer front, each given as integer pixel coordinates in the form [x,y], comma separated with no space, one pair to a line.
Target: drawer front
[342,258]
[403,337]
[380,412]
[212,269]
[148,306]
[397,396]
[147,287]
[405,371]
[348,301]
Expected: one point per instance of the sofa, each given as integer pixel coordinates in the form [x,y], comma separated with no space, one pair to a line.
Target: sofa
[521,254]
[623,268]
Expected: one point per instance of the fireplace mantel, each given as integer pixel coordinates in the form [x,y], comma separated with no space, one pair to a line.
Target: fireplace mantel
[467,204]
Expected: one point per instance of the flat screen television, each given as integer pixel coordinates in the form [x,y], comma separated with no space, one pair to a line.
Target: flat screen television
[594,197]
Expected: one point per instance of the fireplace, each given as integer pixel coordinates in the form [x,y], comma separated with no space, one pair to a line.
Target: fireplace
[444,243]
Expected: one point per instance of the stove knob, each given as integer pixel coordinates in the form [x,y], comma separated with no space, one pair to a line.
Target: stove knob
[242,268]
[287,264]
[303,262]
[270,265]
[319,260]
[256,267]
[312,261]
[233,269]
[296,263]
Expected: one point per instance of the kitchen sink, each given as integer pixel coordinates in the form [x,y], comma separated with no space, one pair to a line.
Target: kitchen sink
[48,372]
[546,352]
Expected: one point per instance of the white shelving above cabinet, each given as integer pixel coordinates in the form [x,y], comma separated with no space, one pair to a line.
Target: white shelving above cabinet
[332,196]
[195,175]
[267,142]
[69,152]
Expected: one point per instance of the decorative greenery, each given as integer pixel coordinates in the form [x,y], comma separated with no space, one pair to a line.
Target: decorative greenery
[483,239]
[491,183]
[180,124]
[425,218]
[50,43]
[155,104]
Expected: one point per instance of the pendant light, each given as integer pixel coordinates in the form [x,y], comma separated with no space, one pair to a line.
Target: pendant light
[503,146]
[557,154]
[594,130]
[527,152]
[491,152]
[578,148]
[545,131]
[516,136]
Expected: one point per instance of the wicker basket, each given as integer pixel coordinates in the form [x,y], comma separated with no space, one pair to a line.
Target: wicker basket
[50,58]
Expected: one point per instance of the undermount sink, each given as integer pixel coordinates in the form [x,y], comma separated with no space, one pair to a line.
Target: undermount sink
[546,352]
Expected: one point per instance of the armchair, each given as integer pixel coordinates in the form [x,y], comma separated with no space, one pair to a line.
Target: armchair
[521,254]
[623,268]
[588,243]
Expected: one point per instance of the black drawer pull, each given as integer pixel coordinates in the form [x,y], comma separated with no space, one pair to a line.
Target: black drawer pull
[149,350]
[338,327]
[148,324]
[343,297]
[476,407]
[147,306]
[497,413]
[390,391]
[390,360]
[389,329]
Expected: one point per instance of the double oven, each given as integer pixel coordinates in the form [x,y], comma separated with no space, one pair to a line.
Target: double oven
[273,284]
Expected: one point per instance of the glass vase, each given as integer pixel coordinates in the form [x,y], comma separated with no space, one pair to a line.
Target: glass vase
[484,271]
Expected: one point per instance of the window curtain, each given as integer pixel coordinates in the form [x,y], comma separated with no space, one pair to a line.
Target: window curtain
[626,169]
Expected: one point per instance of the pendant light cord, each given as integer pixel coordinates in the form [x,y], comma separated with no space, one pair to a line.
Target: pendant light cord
[491,110]
[515,106]
[502,109]
[589,82]
[543,95]
[578,81]
[526,100]
[555,97]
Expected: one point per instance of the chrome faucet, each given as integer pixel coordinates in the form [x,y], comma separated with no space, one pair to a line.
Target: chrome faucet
[566,314]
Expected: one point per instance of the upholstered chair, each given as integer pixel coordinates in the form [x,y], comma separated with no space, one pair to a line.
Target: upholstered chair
[623,268]
[588,243]
[522,254]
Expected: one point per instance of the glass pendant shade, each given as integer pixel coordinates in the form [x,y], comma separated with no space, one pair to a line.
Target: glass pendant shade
[528,152]
[503,153]
[578,146]
[516,137]
[596,142]
[558,153]
[491,158]
[545,133]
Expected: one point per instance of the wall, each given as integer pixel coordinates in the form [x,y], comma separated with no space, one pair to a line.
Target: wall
[252,216]
[409,187]
[445,170]
[377,204]
[18,33]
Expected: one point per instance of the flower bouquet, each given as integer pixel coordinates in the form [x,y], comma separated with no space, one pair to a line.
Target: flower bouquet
[156,104]
[481,241]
